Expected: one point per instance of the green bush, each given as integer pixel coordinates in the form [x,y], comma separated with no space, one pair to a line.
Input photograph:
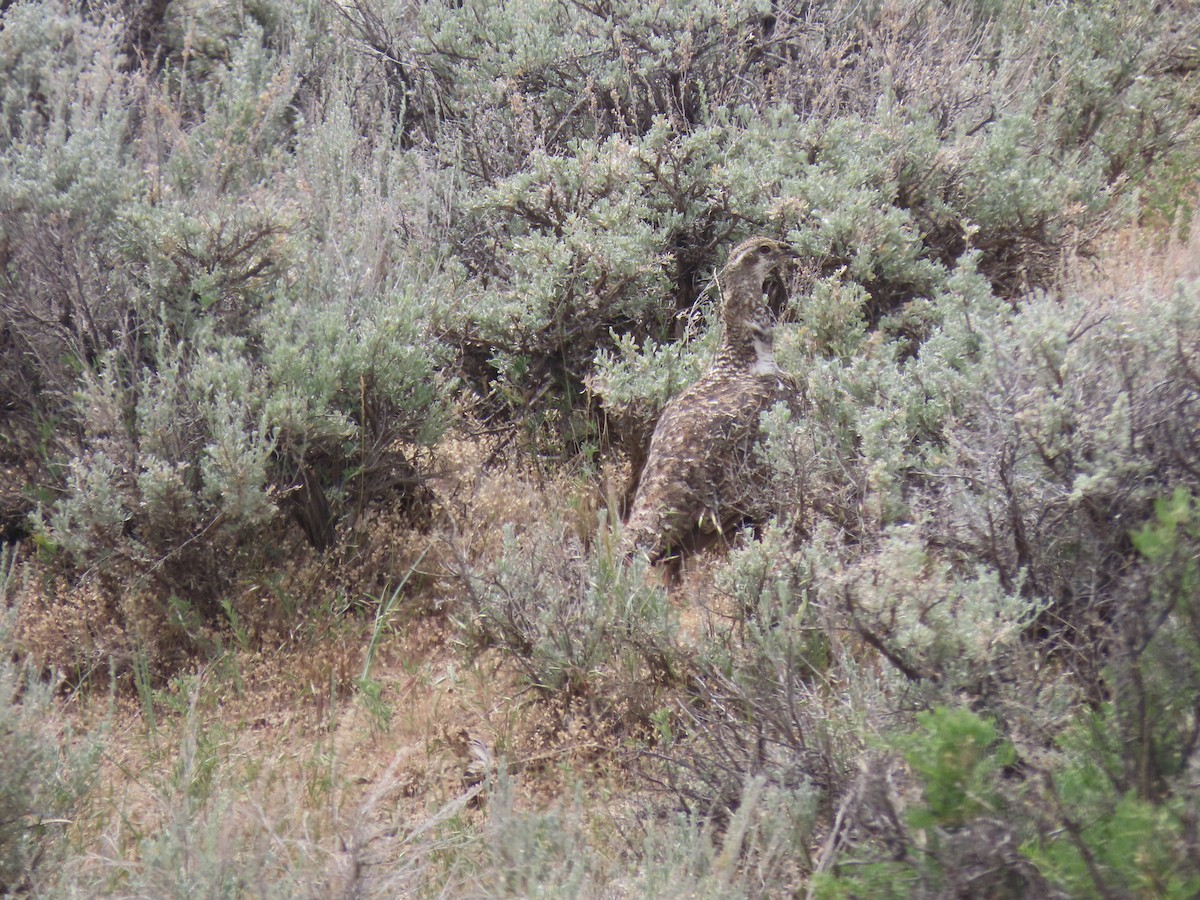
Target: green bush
[1121,787]
[1134,848]
[958,839]
[1155,670]
[957,757]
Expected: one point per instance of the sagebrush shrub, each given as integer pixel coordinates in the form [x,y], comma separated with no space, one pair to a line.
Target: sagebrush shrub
[572,617]
[890,187]
[241,338]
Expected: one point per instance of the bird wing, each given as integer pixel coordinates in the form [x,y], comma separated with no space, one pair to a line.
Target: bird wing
[701,444]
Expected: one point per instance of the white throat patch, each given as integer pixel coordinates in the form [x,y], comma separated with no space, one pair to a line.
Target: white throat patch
[764,356]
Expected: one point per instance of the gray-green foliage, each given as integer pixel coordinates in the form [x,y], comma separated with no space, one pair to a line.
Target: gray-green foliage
[888,194]
[1063,411]
[184,454]
[886,175]
[270,186]
[1116,777]
[213,297]
[67,178]
[754,723]
[572,616]
[1077,423]
[999,476]
[31,795]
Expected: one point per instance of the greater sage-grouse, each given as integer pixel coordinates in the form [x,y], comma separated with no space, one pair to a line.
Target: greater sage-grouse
[699,474]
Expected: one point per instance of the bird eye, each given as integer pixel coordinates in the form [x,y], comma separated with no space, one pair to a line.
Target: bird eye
[765,248]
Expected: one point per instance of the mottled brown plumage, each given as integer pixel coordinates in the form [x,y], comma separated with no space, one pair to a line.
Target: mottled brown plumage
[699,470]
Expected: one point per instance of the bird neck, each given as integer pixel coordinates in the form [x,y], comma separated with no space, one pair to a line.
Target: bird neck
[739,350]
[749,351]
[741,303]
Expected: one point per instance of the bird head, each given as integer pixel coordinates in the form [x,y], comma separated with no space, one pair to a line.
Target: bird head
[755,259]
[741,281]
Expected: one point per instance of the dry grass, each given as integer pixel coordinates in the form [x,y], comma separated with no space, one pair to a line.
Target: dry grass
[1135,265]
[272,763]
[284,759]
